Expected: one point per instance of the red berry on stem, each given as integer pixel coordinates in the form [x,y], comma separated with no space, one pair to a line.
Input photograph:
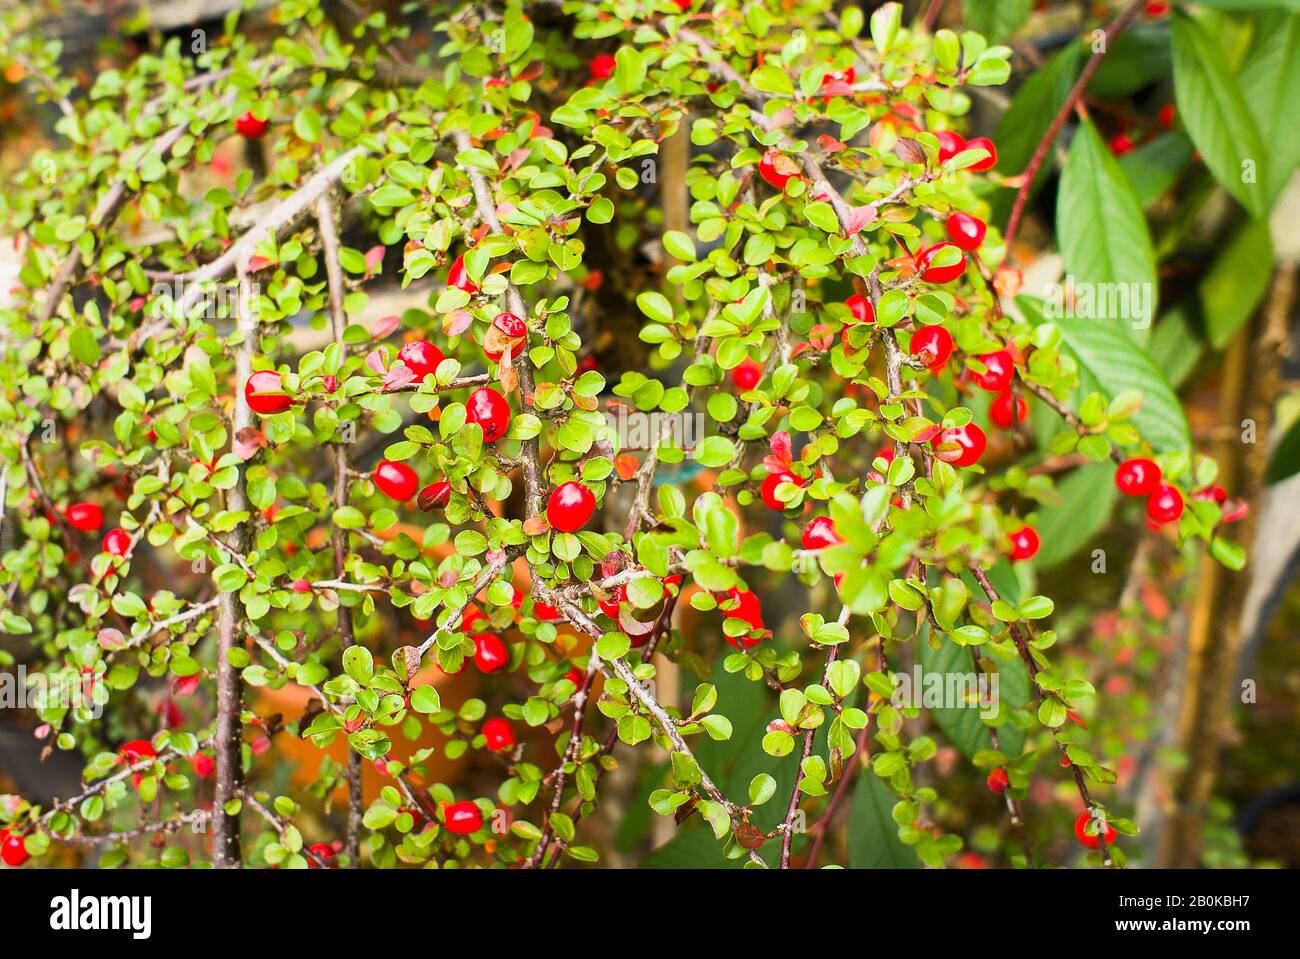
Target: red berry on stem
[458,277]
[1002,413]
[603,66]
[611,606]
[13,849]
[861,308]
[776,169]
[87,517]
[498,734]
[1165,505]
[750,611]
[264,391]
[463,818]
[961,445]
[768,490]
[570,506]
[966,231]
[932,345]
[950,144]
[1137,477]
[490,654]
[301,586]
[322,851]
[250,127]
[997,781]
[435,496]
[117,541]
[137,750]
[990,161]
[506,329]
[747,375]
[396,480]
[421,357]
[943,273]
[488,409]
[999,369]
[1024,543]
[820,533]
[1085,831]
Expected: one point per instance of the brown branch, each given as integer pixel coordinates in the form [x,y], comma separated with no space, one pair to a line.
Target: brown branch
[1045,145]
[325,216]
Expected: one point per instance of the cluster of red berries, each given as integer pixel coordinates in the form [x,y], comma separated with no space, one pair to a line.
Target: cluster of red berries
[1141,477]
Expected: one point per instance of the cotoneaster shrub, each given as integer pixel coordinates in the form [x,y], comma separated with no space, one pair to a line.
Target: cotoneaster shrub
[840,310]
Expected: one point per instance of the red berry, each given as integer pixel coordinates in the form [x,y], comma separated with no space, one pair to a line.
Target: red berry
[1024,543]
[458,278]
[1085,831]
[990,161]
[545,611]
[490,654]
[13,849]
[250,127]
[488,409]
[611,606]
[322,851]
[776,169]
[932,345]
[498,734]
[435,496]
[117,541]
[1003,415]
[396,480]
[820,533]
[570,506]
[999,368]
[961,445]
[950,144]
[603,66]
[463,818]
[966,231]
[847,75]
[1165,505]
[1121,144]
[301,586]
[750,611]
[768,490]
[508,329]
[747,375]
[997,781]
[862,309]
[1137,477]
[265,394]
[330,382]
[1167,116]
[683,5]
[421,357]
[137,750]
[576,677]
[940,274]
[87,517]
[1211,494]
[203,765]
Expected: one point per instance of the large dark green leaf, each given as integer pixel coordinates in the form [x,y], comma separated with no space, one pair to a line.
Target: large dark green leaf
[1137,58]
[996,19]
[1176,345]
[873,834]
[1109,358]
[1214,110]
[693,848]
[1087,498]
[1236,282]
[1039,98]
[1286,458]
[1153,167]
[1270,79]
[962,725]
[1103,234]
